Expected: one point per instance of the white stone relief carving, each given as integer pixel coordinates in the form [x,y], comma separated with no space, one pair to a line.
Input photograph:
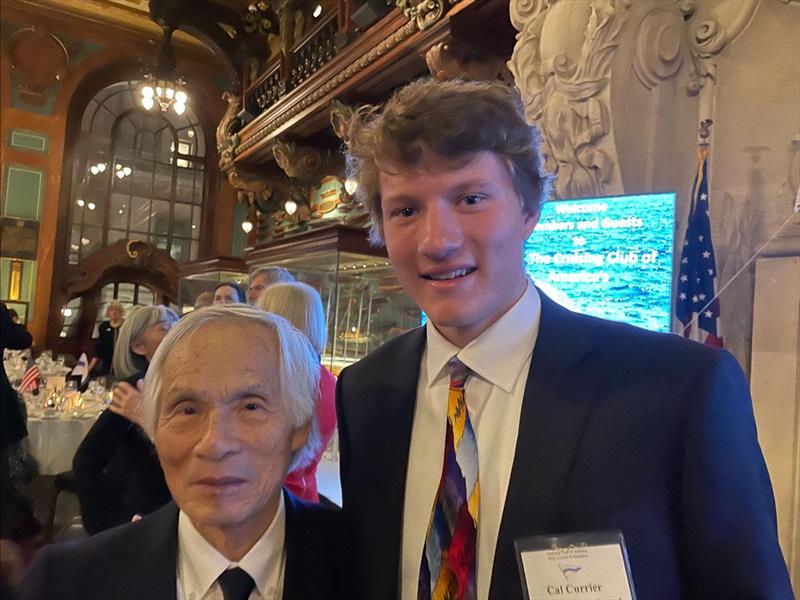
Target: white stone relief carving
[561,64]
[659,47]
[708,37]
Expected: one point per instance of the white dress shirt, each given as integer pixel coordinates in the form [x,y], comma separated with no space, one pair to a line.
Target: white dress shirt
[199,563]
[499,360]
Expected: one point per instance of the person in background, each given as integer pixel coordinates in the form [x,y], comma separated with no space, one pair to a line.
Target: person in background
[14,316]
[204,299]
[107,333]
[229,292]
[228,426]
[117,474]
[263,277]
[515,414]
[17,523]
[302,306]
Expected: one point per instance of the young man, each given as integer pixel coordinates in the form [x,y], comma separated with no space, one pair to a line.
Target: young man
[548,422]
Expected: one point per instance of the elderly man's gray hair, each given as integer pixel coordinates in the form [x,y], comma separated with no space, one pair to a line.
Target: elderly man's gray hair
[299,368]
[272,275]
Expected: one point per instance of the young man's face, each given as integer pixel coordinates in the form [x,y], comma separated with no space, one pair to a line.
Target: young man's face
[454,231]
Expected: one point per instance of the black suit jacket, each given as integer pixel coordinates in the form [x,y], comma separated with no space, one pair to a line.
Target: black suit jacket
[138,561]
[117,472]
[620,428]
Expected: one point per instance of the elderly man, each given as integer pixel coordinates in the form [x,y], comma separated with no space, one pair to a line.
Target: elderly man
[228,421]
[264,277]
[507,416]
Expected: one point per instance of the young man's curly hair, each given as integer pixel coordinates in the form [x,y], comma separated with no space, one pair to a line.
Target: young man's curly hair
[453,119]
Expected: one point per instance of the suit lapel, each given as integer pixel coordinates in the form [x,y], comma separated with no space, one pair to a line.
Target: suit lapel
[155,551]
[385,421]
[555,409]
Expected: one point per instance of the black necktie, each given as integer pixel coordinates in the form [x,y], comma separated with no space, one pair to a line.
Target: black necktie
[236,584]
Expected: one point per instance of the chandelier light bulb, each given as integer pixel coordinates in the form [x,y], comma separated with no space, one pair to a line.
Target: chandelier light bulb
[80,202]
[147,91]
[247,226]
[159,91]
[147,103]
[126,171]
[91,206]
[93,170]
[290,206]
[66,311]
[85,241]
[181,97]
[101,167]
[317,11]
[120,174]
[179,108]
[170,93]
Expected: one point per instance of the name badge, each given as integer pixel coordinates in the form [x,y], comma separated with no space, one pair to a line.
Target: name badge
[575,566]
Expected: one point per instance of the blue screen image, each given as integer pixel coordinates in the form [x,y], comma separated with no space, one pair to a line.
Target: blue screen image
[607,257]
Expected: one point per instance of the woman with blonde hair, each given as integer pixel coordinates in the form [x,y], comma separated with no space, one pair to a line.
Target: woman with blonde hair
[117,474]
[301,305]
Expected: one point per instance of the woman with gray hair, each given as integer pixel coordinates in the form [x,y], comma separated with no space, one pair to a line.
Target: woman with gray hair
[228,421]
[302,306]
[117,474]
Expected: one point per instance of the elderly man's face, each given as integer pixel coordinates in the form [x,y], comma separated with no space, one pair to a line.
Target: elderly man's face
[257,285]
[223,436]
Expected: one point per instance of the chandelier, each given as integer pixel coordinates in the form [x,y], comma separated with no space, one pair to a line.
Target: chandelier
[163,87]
[164,93]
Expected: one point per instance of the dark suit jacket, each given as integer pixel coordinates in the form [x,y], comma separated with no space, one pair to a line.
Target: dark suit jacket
[117,473]
[620,428]
[12,419]
[138,561]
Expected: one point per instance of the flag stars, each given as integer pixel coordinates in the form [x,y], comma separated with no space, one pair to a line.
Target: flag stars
[682,296]
[695,299]
[701,296]
[706,254]
[708,314]
[711,271]
[700,238]
[703,196]
[684,278]
[685,260]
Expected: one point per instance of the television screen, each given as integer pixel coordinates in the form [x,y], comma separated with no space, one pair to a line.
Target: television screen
[607,257]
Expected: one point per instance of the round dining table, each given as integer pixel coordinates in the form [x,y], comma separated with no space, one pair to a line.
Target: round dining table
[53,441]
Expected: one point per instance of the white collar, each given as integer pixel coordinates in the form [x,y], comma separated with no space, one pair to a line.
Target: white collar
[200,564]
[496,355]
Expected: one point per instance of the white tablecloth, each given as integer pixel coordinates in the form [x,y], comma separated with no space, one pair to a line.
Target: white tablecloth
[53,442]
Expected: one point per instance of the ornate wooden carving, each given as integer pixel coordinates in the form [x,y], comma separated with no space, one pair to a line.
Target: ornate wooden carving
[306,163]
[130,254]
[456,59]
[341,114]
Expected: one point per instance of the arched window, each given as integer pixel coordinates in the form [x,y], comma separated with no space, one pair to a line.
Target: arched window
[136,175]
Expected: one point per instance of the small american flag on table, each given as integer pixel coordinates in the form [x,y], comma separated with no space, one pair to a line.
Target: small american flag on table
[31,378]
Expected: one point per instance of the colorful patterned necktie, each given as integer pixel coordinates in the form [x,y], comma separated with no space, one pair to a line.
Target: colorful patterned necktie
[447,571]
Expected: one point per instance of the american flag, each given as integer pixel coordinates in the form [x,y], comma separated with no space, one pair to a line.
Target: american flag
[31,378]
[697,306]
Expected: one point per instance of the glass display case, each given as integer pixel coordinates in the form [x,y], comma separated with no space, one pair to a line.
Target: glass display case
[203,276]
[363,300]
